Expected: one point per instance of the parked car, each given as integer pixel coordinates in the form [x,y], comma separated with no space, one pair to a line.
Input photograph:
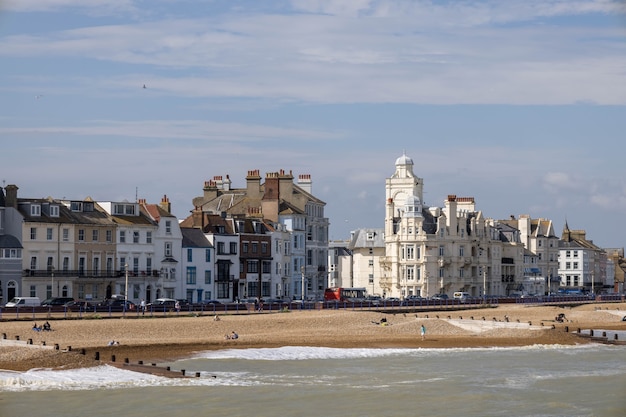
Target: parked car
[213,302]
[57,301]
[440,297]
[119,304]
[164,302]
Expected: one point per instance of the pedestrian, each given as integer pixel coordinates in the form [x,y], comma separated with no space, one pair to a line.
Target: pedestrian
[143,306]
[177,306]
[423,332]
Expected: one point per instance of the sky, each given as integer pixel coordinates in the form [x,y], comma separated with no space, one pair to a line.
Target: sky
[520,104]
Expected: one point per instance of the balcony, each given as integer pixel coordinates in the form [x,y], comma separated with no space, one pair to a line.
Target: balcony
[72,273]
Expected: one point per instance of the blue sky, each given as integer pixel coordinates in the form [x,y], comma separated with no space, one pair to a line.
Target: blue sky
[520,104]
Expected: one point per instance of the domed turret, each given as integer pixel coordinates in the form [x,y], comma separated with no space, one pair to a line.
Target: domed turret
[412,207]
[404,160]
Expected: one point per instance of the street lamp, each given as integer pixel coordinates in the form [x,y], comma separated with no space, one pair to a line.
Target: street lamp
[51,281]
[126,288]
[302,272]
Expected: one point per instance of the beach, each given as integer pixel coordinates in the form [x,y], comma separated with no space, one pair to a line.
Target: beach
[82,343]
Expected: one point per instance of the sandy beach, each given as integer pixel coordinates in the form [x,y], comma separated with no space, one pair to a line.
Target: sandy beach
[84,342]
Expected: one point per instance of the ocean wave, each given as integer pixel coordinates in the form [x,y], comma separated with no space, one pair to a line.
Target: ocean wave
[292,353]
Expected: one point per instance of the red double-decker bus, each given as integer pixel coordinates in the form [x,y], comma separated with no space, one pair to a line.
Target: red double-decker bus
[344,294]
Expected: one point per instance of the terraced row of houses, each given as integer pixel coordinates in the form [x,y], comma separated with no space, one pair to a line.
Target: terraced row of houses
[270,239]
[267,240]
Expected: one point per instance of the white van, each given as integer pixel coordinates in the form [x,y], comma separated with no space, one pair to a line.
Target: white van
[24,302]
[461,296]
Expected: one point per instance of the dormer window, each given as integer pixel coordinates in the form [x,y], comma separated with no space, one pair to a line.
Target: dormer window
[35,210]
[54,211]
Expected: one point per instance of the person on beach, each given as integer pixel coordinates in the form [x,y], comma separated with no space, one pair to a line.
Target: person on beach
[143,306]
[47,327]
[177,306]
[36,328]
[234,335]
[423,331]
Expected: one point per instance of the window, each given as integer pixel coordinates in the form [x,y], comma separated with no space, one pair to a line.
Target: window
[149,236]
[255,247]
[33,233]
[135,236]
[136,266]
[168,227]
[66,235]
[81,235]
[50,264]
[442,250]
[95,235]
[233,248]
[189,255]
[309,257]
[267,267]
[410,252]
[207,255]
[461,250]
[370,278]
[96,265]
[220,248]
[207,277]
[263,247]
[33,263]
[81,266]
[54,211]
[568,254]
[575,265]
[122,236]
[66,264]
[371,263]
[149,265]
[168,248]
[49,233]
[253,266]
[33,291]
[35,210]
[109,266]
[568,265]
[575,254]
[191,275]
[410,273]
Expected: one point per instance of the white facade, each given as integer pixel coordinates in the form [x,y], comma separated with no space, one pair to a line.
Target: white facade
[197,260]
[431,250]
[281,263]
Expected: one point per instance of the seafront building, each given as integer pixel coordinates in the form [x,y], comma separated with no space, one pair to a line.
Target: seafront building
[269,239]
[284,206]
[426,250]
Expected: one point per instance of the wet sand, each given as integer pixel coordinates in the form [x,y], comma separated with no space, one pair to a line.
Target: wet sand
[83,342]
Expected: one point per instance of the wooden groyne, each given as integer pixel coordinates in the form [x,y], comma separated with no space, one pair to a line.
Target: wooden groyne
[610,337]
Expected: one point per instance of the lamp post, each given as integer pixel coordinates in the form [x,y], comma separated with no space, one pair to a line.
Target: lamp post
[126,287]
[485,285]
[51,281]
[302,272]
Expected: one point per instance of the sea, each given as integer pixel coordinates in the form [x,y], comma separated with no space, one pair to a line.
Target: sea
[541,380]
